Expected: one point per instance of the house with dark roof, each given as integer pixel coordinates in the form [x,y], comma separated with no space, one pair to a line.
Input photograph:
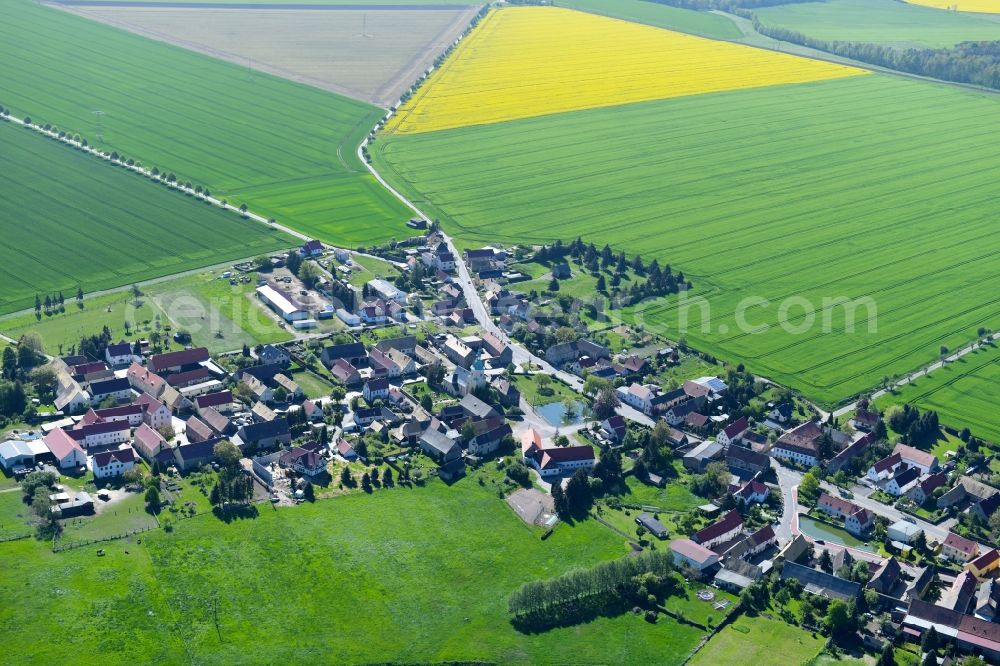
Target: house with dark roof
[218,422]
[221,401]
[116,389]
[902,481]
[800,446]
[489,441]
[884,468]
[971,634]
[820,583]
[439,446]
[352,352]
[507,392]
[985,508]
[265,435]
[375,389]
[886,576]
[752,492]
[731,434]
[614,428]
[119,354]
[923,490]
[560,459]
[107,464]
[272,354]
[195,454]
[986,563]
[721,531]
[177,361]
[746,461]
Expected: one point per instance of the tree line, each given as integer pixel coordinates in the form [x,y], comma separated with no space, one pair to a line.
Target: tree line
[583,593]
[977,63]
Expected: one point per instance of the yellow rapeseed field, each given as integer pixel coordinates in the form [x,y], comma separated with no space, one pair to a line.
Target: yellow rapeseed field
[980,6]
[522,62]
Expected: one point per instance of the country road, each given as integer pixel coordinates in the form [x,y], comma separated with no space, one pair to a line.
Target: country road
[520,354]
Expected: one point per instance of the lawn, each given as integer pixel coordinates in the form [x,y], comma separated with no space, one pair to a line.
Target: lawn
[286,149]
[963,393]
[555,391]
[881,21]
[69,220]
[201,304]
[112,519]
[673,497]
[781,205]
[15,515]
[758,640]
[705,24]
[403,576]
[364,269]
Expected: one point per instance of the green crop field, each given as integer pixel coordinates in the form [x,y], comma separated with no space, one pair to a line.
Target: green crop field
[285,149]
[661,16]
[872,187]
[68,219]
[881,21]
[963,393]
[752,640]
[404,576]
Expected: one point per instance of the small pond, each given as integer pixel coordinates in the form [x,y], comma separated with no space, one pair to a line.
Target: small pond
[555,414]
[831,534]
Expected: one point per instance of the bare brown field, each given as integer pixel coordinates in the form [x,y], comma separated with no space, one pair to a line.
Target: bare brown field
[368,55]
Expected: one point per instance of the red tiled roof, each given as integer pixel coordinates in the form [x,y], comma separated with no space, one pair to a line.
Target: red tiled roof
[104,458]
[60,443]
[215,399]
[564,454]
[736,427]
[960,543]
[986,559]
[728,523]
[178,358]
[887,463]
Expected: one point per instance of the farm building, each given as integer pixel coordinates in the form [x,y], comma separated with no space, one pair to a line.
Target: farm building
[15,452]
[282,304]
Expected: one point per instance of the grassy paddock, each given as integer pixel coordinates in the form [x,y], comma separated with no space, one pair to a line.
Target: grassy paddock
[757,640]
[404,575]
[202,304]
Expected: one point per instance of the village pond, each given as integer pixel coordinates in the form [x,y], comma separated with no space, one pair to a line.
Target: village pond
[831,534]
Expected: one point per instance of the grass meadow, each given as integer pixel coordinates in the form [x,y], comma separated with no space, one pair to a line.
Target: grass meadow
[414,576]
[218,316]
[285,149]
[758,640]
[854,188]
[68,219]
[963,393]
[883,22]
[705,24]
